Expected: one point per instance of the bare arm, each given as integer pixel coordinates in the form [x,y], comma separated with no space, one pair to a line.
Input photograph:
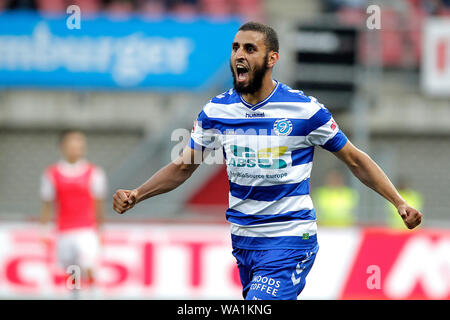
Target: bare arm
[369,173]
[45,218]
[164,180]
[46,212]
[100,211]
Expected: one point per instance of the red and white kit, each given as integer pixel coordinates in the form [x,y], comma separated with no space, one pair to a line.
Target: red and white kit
[74,188]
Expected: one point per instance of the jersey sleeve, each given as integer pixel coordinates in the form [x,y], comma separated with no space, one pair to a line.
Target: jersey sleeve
[203,134]
[98,183]
[47,189]
[325,132]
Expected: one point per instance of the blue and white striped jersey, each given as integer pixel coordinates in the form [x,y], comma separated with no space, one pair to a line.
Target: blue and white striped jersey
[268,148]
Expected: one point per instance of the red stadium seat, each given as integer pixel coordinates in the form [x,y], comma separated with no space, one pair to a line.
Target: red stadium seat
[391,42]
[391,39]
[250,9]
[88,6]
[184,10]
[445,12]
[152,9]
[351,16]
[416,19]
[415,3]
[120,9]
[51,6]
[255,4]
[216,8]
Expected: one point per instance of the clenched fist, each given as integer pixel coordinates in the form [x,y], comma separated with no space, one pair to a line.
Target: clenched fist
[411,217]
[124,200]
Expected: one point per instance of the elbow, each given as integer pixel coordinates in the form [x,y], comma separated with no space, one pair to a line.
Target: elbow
[360,166]
[184,170]
[357,160]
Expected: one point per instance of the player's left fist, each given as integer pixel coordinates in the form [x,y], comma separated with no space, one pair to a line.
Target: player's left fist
[411,217]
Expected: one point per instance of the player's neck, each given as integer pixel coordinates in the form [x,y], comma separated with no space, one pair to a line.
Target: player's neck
[73,162]
[266,89]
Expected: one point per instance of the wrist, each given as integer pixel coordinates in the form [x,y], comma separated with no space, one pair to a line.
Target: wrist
[397,200]
[139,195]
[399,203]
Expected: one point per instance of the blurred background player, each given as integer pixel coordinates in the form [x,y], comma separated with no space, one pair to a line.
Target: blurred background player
[75,190]
[336,201]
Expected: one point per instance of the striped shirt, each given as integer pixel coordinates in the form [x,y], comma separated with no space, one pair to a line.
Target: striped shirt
[268,148]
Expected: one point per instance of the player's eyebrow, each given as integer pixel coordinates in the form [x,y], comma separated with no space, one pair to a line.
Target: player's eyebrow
[246,45]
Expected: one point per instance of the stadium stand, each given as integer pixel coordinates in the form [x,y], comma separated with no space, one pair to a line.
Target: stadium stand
[252,9]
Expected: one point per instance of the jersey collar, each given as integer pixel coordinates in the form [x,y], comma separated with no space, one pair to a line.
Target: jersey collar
[261,103]
[70,169]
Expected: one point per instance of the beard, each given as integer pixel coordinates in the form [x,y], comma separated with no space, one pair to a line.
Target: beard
[255,78]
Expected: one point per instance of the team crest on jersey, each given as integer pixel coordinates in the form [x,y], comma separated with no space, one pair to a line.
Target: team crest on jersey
[282,127]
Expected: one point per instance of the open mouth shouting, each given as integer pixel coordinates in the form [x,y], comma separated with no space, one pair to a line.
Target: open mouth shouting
[242,73]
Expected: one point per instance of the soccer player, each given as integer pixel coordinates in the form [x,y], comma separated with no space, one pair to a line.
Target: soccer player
[267,133]
[75,189]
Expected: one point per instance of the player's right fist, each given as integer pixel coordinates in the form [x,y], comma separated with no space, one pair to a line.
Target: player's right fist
[124,200]
[411,217]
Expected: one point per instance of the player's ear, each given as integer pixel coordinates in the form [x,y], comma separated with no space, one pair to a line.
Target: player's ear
[273,58]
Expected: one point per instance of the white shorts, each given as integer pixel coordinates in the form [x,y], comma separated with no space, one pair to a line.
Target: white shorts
[79,247]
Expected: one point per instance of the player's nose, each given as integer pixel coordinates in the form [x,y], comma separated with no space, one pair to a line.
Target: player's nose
[240,54]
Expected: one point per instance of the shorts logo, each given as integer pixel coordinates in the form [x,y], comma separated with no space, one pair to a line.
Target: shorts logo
[282,127]
[299,269]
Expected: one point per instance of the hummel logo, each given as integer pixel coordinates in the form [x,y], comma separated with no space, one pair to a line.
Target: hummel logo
[254,115]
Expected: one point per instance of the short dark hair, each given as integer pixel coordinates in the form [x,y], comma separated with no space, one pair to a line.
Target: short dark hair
[64,133]
[271,37]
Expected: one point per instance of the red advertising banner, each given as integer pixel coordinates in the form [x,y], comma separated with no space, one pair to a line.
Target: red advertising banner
[153,261]
[400,265]
[194,261]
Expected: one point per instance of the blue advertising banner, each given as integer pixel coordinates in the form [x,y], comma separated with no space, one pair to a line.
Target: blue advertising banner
[132,54]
